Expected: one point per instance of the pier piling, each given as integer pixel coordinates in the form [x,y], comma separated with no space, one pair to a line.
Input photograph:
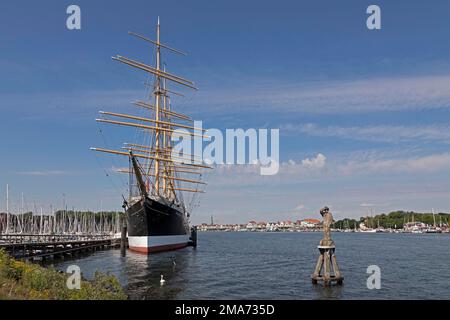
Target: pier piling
[327,269]
[123,241]
[193,237]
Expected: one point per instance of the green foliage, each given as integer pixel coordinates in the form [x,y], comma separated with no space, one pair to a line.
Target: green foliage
[21,280]
[395,219]
[346,224]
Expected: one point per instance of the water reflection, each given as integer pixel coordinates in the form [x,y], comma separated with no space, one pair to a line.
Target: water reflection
[139,274]
[278,266]
[327,292]
[143,274]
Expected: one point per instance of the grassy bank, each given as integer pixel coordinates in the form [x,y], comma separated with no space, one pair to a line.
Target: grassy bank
[22,280]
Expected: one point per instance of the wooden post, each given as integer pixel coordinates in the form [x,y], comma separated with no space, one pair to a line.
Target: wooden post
[123,240]
[193,237]
[318,266]
[327,264]
[337,272]
[327,267]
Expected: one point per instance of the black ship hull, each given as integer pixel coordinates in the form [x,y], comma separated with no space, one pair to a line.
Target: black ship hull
[154,227]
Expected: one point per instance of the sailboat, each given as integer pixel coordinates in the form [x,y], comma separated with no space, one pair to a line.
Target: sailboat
[156,210]
[434,228]
[365,228]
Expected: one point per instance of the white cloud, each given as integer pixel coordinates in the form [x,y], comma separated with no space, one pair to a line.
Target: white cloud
[357,96]
[378,133]
[315,163]
[304,166]
[352,184]
[424,164]
[374,205]
[318,168]
[324,97]
[366,205]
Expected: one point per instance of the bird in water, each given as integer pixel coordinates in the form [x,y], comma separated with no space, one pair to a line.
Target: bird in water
[174,263]
[162,281]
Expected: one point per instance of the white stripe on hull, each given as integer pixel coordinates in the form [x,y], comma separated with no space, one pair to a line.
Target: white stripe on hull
[148,244]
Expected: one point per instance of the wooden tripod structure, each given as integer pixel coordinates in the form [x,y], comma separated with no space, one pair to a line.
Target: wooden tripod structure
[327,269]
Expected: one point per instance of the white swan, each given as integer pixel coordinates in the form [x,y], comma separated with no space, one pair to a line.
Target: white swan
[162,281]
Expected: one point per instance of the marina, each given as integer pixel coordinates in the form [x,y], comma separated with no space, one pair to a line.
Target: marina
[32,247]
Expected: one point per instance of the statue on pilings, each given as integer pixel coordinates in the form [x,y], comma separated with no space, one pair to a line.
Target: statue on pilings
[327,269]
[327,222]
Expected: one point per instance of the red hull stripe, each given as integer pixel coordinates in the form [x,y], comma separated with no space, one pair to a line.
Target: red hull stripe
[167,247]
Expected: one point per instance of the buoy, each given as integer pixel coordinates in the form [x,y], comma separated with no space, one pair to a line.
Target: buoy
[162,281]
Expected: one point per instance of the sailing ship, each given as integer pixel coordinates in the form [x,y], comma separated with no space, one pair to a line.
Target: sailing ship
[156,211]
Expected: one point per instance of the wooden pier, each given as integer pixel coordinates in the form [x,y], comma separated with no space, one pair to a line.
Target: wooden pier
[31,246]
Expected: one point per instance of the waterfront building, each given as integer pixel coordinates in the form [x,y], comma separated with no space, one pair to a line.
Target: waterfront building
[309,223]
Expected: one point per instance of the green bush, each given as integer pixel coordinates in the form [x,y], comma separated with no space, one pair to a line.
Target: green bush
[21,280]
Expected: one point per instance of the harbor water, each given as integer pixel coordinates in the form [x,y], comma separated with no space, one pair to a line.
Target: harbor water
[259,265]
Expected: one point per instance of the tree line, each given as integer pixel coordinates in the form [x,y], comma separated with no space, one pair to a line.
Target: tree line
[394,219]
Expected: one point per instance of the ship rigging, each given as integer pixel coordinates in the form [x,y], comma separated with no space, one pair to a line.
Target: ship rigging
[156,212]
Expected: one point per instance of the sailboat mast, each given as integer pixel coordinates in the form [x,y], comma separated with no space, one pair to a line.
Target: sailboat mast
[23,213]
[157,107]
[41,222]
[7,208]
[434,219]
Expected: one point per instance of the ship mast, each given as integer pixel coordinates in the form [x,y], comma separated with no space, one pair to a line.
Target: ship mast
[157,100]
[164,139]
[161,166]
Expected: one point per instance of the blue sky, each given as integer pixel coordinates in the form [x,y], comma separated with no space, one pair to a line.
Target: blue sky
[363,115]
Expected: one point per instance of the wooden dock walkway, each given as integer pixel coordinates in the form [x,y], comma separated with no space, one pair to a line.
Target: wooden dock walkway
[29,246]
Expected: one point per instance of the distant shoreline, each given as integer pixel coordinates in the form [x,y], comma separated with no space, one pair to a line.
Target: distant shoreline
[319,230]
